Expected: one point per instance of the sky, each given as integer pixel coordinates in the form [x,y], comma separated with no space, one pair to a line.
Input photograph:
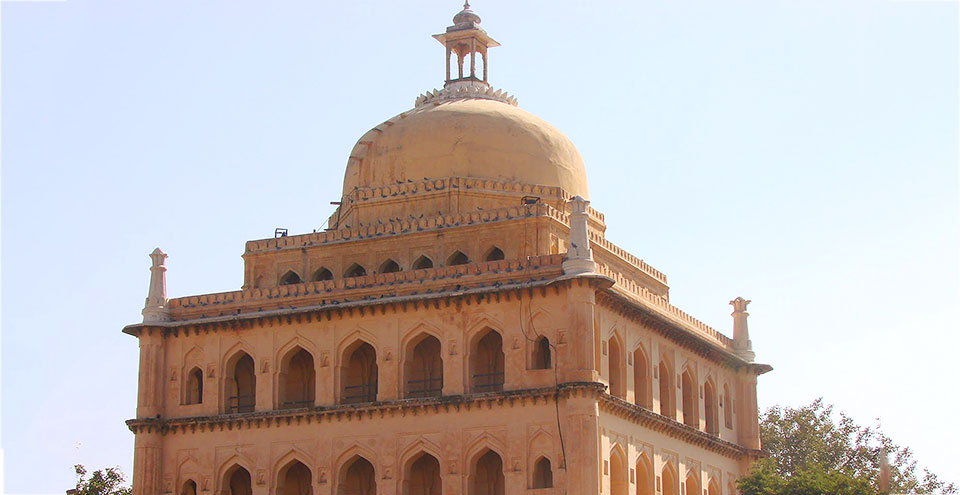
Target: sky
[801,154]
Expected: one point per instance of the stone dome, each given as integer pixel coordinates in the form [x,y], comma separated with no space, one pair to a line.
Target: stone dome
[466,137]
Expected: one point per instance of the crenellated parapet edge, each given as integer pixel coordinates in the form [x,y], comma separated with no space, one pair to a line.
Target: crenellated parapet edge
[464,91]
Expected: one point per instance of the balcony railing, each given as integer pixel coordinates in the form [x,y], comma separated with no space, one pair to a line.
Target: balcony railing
[487,382]
[241,403]
[364,392]
[428,387]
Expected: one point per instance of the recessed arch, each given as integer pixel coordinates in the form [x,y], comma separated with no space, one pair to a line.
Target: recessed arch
[240,383]
[486,474]
[423,366]
[421,475]
[193,390]
[616,367]
[642,394]
[668,480]
[713,488]
[542,474]
[297,379]
[692,483]
[355,270]
[237,481]
[189,487]
[542,357]
[493,254]
[357,476]
[358,373]
[294,478]
[487,361]
[619,472]
[422,263]
[665,379]
[645,479]
[689,398]
[727,407]
[710,405]
[321,274]
[457,258]
[389,266]
[290,277]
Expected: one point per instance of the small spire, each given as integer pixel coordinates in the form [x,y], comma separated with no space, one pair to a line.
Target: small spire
[155,307]
[579,255]
[741,336]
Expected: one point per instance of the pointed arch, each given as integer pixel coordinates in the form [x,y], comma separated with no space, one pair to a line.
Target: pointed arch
[355,270]
[542,358]
[665,379]
[493,254]
[297,379]
[423,366]
[236,480]
[422,263]
[692,482]
[293,476]
[421,474]
[389,266]
[542,473]
[486,359]
[457,258]
[359,372]
[189,487]
[193,390]
[713,487]
[486,474]
[619,472]
[727,406]
[690,397]
[357,476]
[290,277]
[710,405]
[642,393]
[645,479]
[240,382]
[668,480]
[321,274]
[617,368]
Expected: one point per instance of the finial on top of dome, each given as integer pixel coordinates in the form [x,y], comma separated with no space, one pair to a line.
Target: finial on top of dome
[465,19]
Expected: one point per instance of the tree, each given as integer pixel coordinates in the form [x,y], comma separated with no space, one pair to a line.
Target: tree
[812,454]
[109,481]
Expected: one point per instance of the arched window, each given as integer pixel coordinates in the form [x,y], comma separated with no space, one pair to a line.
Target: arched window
[616,368]
[692,484]
[727,407]
[486,363]
[194,392]
[241,384]
[494,254]
[641,379]
[486,475]
[389,266]
[295,479]
[290,278]
[422,476]
[645,483]
[237,481]
[713,488]
[457,258]
[423,367]
[619,478]
[541,354]
[669,481]
[688,385]
[189,488]
[542,474]
[355,270]
[359,374]
[322,274]
[358,478]
[667,407]
[422,263]
[297,379]
[710,416]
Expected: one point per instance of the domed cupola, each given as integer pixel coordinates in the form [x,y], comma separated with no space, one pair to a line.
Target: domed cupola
[466,130]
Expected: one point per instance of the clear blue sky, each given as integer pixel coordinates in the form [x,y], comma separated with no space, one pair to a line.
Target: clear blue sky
[802,154]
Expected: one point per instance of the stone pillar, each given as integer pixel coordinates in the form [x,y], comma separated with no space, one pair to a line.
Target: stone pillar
[741,337]
[147,466]
[581,301]
[155,308]
[579,255]
[748,429]
[150,390]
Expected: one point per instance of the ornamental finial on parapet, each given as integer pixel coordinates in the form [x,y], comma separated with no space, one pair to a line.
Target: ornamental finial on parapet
[579,255]
[155,307]
[741,336]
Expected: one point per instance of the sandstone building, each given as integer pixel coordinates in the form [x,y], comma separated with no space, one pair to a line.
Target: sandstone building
[462,327]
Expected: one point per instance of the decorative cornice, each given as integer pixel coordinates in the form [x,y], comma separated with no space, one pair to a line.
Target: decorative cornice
[363,412]
[649,419]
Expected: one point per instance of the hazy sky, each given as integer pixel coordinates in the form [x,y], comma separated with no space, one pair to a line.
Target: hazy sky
[802,154]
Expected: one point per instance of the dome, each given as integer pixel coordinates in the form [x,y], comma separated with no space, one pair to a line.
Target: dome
[467,137]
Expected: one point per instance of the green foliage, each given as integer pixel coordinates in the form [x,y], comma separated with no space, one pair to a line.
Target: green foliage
[109,481]
[812,454]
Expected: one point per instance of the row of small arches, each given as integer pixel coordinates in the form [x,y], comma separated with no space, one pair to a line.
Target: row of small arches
[357,476]
[621,477]
[389,266]
[422,373]
[713,399]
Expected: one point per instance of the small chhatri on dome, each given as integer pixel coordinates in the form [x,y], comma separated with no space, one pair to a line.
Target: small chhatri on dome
[465,19]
